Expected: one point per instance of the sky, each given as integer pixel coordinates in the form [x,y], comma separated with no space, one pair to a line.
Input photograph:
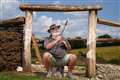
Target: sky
[77,21]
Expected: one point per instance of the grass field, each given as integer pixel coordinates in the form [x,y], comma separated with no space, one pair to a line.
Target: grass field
[16,76]
[104,54]
[25,76]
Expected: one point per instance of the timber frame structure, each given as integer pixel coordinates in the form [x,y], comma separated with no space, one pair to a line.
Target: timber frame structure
[91,39]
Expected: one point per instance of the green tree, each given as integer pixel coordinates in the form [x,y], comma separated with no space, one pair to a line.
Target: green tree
[105,36]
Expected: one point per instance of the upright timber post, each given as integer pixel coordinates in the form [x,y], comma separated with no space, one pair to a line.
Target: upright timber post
[91,44]
[27,41]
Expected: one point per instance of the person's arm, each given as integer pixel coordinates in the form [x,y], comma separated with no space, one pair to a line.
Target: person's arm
[67,45]
[51,44]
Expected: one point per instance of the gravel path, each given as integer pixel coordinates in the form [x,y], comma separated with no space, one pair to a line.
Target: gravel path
[108,72]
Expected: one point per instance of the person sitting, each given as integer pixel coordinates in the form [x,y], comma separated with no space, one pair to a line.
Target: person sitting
[56,55]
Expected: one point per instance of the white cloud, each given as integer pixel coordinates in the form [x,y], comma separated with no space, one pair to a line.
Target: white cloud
[34,14]
[77,24]
[113,31]
[41,23]
[9,9]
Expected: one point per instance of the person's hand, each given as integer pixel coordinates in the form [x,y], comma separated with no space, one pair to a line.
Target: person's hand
[59,38]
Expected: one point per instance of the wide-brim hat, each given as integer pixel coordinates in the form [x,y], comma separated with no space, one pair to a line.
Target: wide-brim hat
[53,26]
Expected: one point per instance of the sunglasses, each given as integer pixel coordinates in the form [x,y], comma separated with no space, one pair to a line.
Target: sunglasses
[54,28]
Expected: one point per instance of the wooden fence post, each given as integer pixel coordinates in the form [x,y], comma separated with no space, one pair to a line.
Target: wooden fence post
[27,42]
[91,45]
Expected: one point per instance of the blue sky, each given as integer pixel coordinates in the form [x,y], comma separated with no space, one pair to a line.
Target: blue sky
[78,21]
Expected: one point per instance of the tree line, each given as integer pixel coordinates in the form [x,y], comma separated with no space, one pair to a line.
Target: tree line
[78,42]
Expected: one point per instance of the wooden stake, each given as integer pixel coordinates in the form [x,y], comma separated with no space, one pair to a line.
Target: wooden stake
[37,52]
[91,44]
[27,42]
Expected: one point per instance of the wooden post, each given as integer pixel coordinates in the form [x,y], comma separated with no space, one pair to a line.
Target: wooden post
[37,52]
[27,42]
[91,45]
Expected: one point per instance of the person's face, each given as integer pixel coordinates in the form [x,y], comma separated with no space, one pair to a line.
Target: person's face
[55,31]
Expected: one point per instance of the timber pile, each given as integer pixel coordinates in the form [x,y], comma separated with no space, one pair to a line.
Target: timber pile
[11,45]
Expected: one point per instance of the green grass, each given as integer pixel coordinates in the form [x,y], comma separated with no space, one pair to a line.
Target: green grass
[17,76]
[24,76]
[107,54]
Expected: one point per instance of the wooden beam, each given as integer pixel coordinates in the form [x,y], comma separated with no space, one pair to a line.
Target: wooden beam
[37,52]
[91,45]
[108,22]
[15,21]
[60,8]
[27,42]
